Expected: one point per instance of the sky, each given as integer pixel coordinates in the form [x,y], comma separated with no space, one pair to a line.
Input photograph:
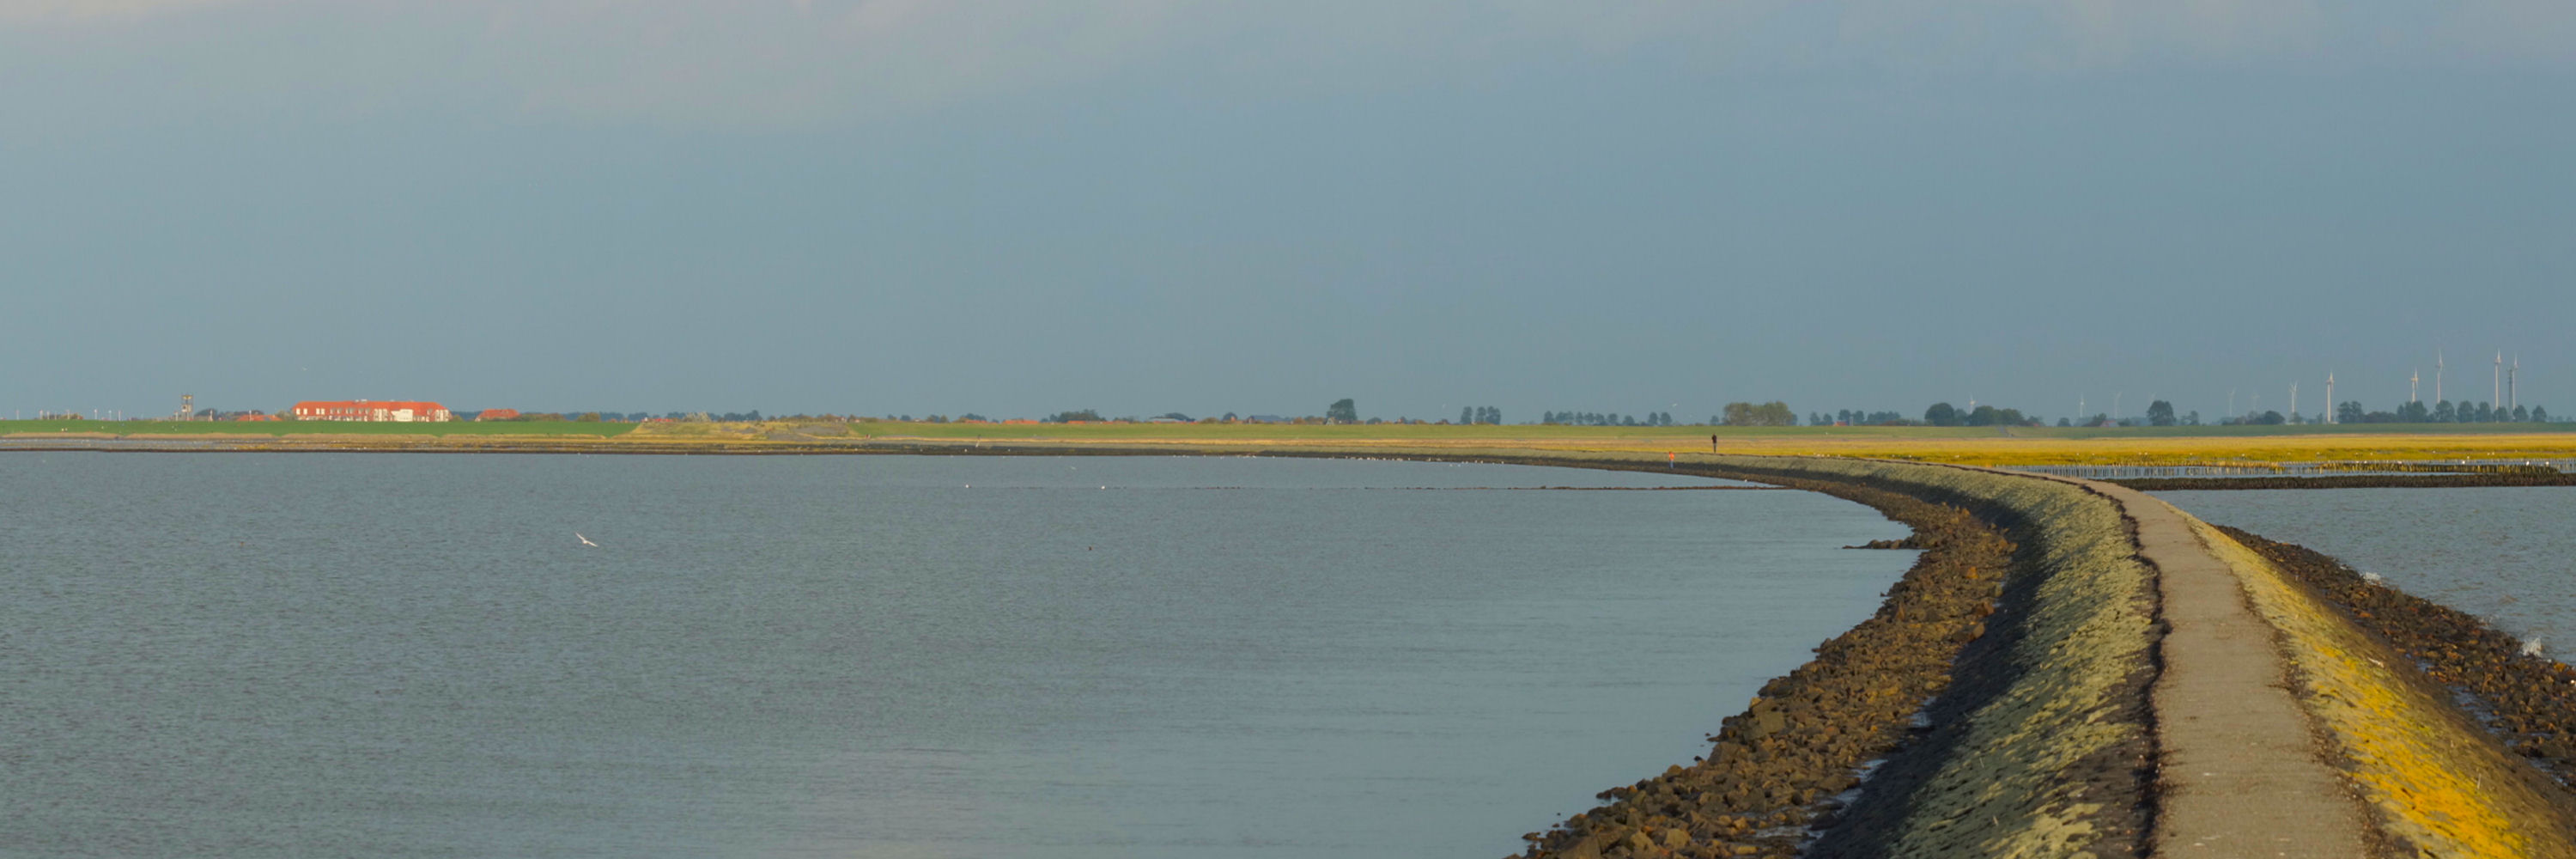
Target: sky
[1148,206]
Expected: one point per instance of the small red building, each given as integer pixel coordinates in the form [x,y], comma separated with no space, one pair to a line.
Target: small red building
[396,411]
[497,415]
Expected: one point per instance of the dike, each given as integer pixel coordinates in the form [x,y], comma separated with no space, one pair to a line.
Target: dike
[2135,683]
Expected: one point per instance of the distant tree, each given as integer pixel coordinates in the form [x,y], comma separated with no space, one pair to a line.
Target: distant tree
[1342,411]
[2413,413]
[1075,415]
[2160,413]
[588,417]
[2191,420]
[2064,422]
[2443,413]
[1770,414]
[2350,412]
[1230,417]
[1941,415]
[2480,413]
[2521,414]
[2539,415]
[2270,419]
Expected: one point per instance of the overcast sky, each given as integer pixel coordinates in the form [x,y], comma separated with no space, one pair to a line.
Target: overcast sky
[1142,206]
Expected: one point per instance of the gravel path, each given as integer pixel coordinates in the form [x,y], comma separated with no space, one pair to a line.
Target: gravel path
[2243,774]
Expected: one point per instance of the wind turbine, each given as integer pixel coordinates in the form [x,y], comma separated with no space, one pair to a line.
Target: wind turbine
[2330,400]
[2294,402]
[2413,379]
[2510,397]
[2437,377]
[2499,377]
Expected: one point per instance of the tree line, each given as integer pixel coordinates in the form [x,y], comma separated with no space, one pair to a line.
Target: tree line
[1606,419]
[2444,412]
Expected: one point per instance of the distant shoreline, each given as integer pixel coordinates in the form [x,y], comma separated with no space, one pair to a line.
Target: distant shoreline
[2255,448]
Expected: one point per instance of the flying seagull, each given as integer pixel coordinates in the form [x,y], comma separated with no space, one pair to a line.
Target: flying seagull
[584,540]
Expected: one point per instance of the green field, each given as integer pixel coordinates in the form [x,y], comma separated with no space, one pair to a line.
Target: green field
[284,428]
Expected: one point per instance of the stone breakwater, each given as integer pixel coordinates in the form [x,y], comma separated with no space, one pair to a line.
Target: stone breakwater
[2023,637]
[2538,477]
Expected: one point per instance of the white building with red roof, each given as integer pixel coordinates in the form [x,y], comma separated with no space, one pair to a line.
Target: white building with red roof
[395,411]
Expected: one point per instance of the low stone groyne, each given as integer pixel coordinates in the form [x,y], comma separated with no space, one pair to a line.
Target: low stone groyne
[2544,477]
[1775,768]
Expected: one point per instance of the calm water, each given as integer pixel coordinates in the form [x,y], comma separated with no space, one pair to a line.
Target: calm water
[389,655]
[2507,554]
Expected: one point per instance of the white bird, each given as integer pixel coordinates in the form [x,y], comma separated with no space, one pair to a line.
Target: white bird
[584,540]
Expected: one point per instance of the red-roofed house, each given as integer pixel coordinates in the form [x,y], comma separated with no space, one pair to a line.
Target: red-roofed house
[398,411]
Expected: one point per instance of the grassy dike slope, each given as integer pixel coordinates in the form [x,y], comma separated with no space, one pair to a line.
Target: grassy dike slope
[2027,749]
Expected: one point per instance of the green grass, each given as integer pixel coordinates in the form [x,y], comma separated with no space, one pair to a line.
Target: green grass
[281,428]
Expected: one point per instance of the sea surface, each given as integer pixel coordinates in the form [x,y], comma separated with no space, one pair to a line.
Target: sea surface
[2506,554]
[390,655]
